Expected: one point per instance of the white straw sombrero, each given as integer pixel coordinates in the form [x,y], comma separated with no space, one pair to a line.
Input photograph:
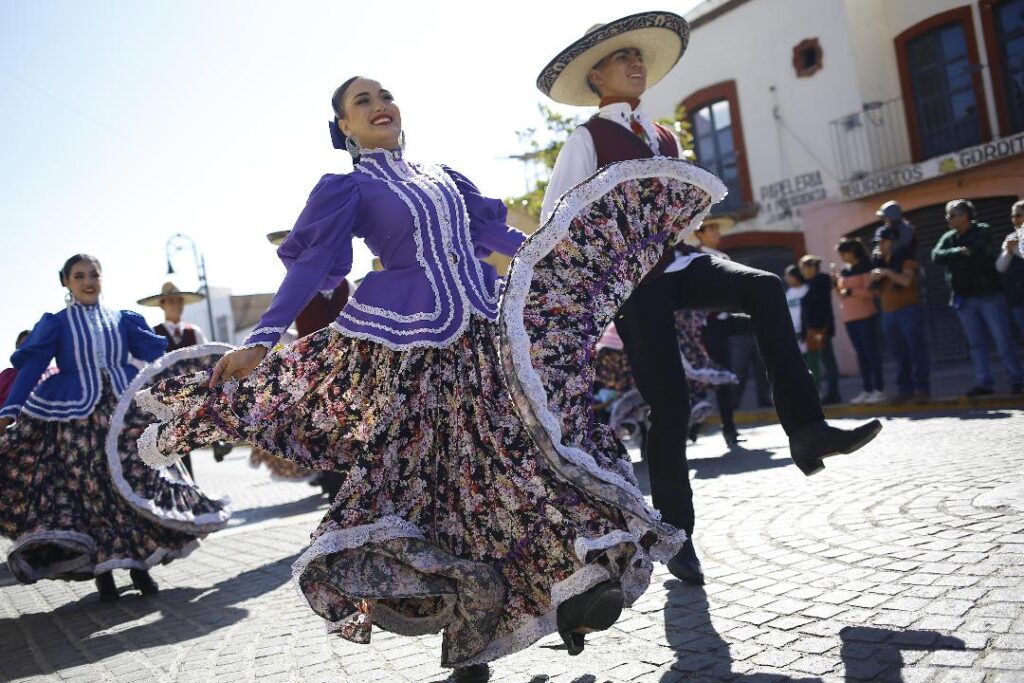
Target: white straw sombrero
[661,38]
[170,290]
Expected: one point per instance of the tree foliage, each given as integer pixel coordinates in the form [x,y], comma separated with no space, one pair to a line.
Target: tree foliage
[544,149]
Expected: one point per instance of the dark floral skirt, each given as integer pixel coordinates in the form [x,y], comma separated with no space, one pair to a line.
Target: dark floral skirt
[73,513]
[448,517]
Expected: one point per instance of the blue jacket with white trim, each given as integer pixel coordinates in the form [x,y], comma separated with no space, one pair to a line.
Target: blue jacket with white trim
[87,342]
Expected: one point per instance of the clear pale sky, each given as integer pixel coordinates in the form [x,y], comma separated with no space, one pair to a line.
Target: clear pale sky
[122,123]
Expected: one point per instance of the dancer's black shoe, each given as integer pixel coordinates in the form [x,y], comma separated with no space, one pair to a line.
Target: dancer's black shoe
[594,610]
[694,431]
[106,587]
[144,582]
[732,437]
[685,565]
[810,444]
[474,673]
[221,449]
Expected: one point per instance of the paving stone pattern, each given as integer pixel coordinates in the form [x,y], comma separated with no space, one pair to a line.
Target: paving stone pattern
[880,568]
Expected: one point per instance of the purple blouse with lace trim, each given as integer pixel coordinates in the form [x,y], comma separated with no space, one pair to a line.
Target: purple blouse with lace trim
[428,225]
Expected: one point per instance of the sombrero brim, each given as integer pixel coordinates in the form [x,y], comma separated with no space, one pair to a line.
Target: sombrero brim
[189,297]
[276,238]
[661,37]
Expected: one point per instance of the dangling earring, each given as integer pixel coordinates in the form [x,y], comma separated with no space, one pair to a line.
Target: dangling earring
[352,146]
[401,140]
[68,298]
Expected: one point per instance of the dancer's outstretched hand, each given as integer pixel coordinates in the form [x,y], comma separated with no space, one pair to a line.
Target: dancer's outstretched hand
[237,364]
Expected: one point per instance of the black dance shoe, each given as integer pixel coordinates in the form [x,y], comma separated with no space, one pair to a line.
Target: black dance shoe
[106,587]
[685,565]
[474,673]
[732,437]
[694,431]
[220,449]
[144,582]
[595,610]
[810,444]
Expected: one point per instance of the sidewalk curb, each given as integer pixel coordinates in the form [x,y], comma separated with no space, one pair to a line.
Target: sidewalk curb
[942,405]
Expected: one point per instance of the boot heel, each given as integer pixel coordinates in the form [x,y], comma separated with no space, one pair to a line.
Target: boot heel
[574,642]
[810,467]
[594,610]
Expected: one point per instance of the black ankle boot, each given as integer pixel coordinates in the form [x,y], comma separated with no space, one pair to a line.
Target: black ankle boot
[595,610]
[474,673]
[685,565]
[106,587]
[144,582]
[810,444]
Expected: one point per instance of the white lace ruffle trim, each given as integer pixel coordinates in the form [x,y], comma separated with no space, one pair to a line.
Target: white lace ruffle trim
[538,245]
[634,581]
[174,519]
[84,545]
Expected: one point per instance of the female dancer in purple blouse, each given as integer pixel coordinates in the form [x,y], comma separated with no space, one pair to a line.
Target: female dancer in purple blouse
[449,517]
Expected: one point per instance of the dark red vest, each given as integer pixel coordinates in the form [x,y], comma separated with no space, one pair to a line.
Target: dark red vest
[321,311]
[188,337]
[614,142]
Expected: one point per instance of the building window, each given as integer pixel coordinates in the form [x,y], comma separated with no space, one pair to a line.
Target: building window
[718,143]
[807,58]
[713,144]
[942,85]
[1003,21]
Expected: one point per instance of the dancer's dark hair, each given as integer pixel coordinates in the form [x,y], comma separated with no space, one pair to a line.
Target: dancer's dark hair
[21,337]
[338,106]
[65,271]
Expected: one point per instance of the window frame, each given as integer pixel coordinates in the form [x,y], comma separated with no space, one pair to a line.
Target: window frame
[726,90]
[994,54]
[958,15]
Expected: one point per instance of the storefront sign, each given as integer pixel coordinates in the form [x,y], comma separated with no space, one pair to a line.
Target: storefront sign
[785,197]
[961,160]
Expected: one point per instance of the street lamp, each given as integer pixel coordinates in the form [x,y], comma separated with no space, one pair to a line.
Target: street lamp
[180,242]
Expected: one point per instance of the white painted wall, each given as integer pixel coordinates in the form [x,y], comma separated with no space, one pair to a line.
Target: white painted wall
[786,118]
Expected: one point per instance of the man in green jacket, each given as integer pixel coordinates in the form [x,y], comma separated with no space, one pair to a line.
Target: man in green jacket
[968,252]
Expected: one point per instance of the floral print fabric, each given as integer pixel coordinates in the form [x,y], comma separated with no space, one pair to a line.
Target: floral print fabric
[64,511]
[447,519]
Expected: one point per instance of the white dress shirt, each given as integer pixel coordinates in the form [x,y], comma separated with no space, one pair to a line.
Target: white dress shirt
[178,329]
[577,159]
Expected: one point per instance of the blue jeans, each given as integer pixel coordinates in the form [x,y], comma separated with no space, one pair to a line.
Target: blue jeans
[904,332]
[980,313]
[1018,315]
[864,335]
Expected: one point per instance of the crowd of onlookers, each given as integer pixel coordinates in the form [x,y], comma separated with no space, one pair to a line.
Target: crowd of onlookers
[881,291]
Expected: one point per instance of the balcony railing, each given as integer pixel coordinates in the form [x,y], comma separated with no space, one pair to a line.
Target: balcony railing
[871,140]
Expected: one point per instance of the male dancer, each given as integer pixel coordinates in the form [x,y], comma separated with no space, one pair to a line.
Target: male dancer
[179,335]
[611,66]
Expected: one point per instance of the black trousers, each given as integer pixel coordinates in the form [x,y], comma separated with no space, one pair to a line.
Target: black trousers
[646,323]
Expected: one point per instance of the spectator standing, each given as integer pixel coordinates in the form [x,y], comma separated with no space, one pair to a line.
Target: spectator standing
[1011,264]
[891,214]
[860,316]
[818,326]
[898,279]
[796,288]
[968,253]
[8,375]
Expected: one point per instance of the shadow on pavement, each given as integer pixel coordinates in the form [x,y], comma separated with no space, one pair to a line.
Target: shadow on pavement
[311,503]
[877,653]
[868,654]
[738,460]
[87,630]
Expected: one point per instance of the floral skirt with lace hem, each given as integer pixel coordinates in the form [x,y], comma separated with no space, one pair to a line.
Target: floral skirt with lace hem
[67,512]
[448,519]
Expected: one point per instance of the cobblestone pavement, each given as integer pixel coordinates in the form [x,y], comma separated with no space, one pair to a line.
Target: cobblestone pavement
[890,566]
